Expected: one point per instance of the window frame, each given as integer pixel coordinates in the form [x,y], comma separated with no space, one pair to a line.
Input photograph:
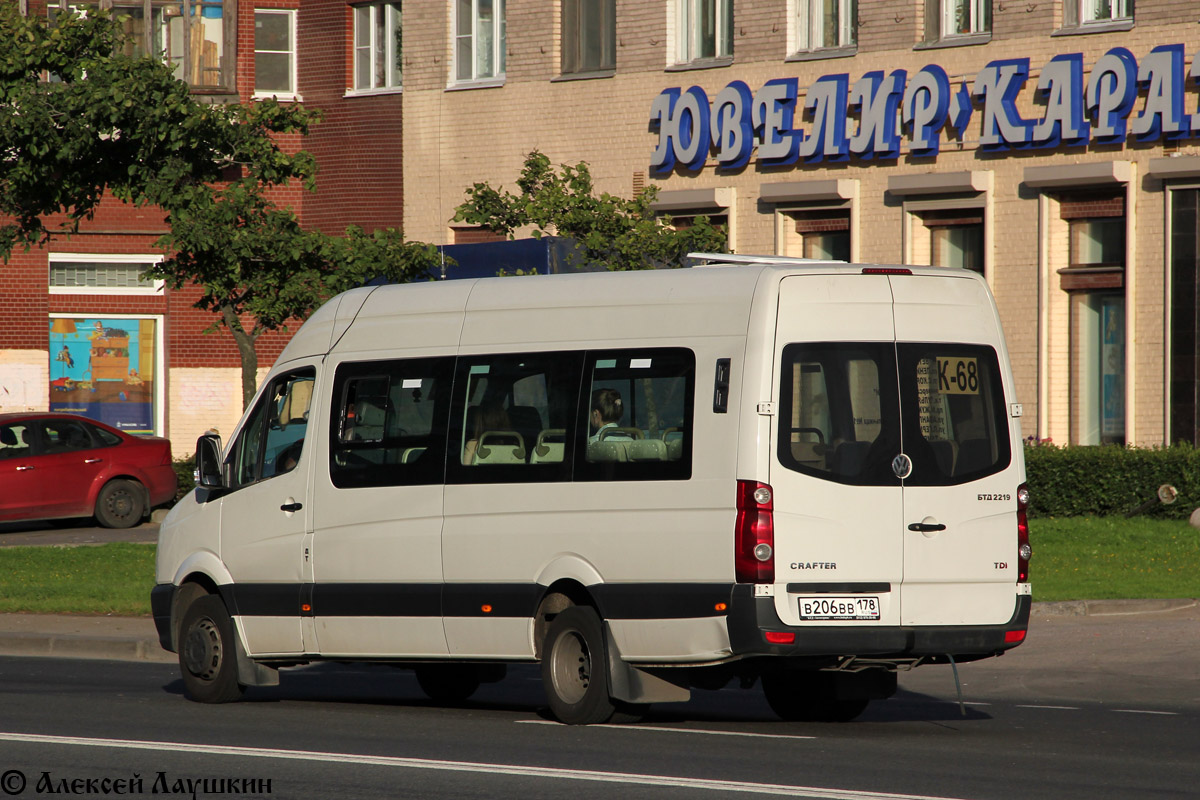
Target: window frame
[812,13]
[608,471]
[1075,23]
[260,415]
[293,92]
[980,12]
[574,42]
[499,51]
[688,35]
[427,472]
[227,82]
[152,288]
[393,23]
[569,363]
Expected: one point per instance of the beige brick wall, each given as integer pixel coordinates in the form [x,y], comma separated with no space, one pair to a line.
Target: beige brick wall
[455,138]
[202,399]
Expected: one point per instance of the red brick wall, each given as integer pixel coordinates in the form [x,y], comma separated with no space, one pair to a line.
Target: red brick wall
[358,143]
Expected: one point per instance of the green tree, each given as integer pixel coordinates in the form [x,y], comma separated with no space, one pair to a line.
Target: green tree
[79,119]
[258,269]
[621,234]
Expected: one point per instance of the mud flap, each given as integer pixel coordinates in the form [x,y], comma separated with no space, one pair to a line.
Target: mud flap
[631,684]
[250,672]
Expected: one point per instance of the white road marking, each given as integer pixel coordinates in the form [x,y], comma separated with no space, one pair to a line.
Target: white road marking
[1053,708]
[672,730]
[1141,711]
[811,792]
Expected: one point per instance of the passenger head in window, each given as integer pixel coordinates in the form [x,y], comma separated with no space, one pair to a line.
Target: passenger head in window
[607,411]
[480,419]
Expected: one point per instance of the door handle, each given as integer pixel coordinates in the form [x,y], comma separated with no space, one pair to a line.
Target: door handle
[92,460]
[289,507]
[925,527]
[25,467]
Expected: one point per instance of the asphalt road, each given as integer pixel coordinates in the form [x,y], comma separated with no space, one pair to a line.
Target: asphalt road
[1090,707]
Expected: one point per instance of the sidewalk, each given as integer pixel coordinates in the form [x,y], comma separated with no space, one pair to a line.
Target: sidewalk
[135,639]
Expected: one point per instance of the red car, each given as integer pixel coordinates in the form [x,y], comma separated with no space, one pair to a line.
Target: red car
[55,466]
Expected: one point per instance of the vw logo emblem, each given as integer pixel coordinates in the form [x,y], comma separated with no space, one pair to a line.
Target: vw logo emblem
[902,466]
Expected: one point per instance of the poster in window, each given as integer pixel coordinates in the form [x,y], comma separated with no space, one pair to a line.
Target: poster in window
[104,368]
[1112,370]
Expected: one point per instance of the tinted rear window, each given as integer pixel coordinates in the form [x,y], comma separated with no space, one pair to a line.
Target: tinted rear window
[847,409]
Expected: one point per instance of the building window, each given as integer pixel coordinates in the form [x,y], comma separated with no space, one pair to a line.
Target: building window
[1104,10]
[963,17]
[589,41]
[377,47]
[479,40]
[1094,278]
[1184,221]
[196,37]
[72,273]
[704,30]
[820,233]
[956,238]
[821,24]
[275,53]
[957,21]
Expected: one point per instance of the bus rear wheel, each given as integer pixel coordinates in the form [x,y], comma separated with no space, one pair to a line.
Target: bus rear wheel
[809,697]
[575,668]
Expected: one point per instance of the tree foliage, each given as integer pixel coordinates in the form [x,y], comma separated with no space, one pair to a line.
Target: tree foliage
[79,118]
[621,234]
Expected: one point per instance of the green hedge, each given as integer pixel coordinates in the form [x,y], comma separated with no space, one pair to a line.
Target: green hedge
[1111,480]
[185,469]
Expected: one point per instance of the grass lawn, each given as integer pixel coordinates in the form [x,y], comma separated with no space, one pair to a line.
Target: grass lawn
[1074,558]
[112,578]
[1093,558]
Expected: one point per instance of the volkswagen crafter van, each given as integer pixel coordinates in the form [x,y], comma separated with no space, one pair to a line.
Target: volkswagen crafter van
[801,475]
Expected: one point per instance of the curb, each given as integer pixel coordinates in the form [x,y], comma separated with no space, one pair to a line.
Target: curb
[109,648]
[1111,608]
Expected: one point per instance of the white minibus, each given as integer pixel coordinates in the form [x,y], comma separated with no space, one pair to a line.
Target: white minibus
[795,474]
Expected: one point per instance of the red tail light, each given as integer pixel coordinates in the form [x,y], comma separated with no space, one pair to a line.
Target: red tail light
[754,534]
[166,462]
[1024,549]
[886,271]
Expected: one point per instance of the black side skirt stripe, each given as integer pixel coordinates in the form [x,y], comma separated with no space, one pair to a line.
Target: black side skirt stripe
[512,600]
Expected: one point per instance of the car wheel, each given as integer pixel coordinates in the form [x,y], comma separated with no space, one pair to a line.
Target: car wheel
[120,504]
[807,697]
[448,683]
[207,653]
[575,668]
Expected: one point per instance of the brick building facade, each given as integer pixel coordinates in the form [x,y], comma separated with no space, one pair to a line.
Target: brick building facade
[178,380]
[1051,146]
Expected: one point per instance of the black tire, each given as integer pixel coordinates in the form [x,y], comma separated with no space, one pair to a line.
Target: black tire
[808,697]
[448,683]
[575,668]
[207,653]
[120,504]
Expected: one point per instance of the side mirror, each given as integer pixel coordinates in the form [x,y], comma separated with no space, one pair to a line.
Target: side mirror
[208,461]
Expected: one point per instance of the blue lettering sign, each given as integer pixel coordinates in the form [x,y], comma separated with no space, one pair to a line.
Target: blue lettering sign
[876,100]
[1110,94]
[826,103]
[732,134]
[774,116]
[1061,85]
[1077,112]
[998,85]
[925,105]
[1161,76]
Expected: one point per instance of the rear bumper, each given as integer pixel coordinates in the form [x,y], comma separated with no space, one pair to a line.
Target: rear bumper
[751,617]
